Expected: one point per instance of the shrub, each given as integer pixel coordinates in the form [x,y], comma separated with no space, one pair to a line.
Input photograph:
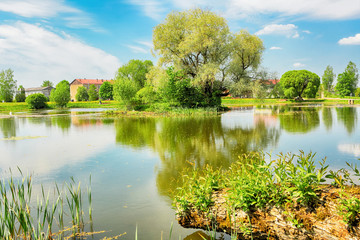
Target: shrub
[36,101]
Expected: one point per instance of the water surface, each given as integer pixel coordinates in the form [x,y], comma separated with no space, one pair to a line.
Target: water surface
[134,162]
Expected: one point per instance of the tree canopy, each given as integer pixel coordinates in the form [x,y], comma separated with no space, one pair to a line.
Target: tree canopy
[81,94]
[20,95]
[136,71]
[93,93]
[7,85]
[328,78]
[47,83]
[61,95]
[200,43]
[347,81]
[299,83]
[106,91]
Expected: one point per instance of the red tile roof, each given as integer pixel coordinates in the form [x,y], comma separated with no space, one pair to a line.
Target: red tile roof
[91,81]
[271,81]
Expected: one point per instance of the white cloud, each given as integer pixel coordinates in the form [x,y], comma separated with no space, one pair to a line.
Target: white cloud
[36,54]
[298,65]
[36,8]
[144,48]
[151,8]
[350,40]
[146,43]
[288,30]
[319,9]
[73,17]
[137,49]
[275,48]
[307,31]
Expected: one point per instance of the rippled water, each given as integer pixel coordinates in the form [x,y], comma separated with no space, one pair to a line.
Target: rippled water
[134,162]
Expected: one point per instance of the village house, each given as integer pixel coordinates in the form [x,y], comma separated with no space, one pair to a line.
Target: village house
[76,83]
[44,90]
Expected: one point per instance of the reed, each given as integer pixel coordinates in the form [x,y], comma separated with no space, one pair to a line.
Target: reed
[21,217]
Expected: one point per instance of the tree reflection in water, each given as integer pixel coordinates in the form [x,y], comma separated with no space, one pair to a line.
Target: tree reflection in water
[200,141]
[299,119]
[8,127]
[348,116]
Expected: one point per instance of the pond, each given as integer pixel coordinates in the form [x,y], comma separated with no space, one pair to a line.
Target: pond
[134,162]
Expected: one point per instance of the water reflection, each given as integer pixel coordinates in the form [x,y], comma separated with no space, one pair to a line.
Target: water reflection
[327,117]
[8,127]
[179,141]
[299,119]
[348,116]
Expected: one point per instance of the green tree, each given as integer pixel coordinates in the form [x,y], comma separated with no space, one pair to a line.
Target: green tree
[328,78]
[246,51]
[82,94]
[299,83]
[36,101]
[136,71]
[199,43]
[7,85]
[93,93]
[347,81]
[61,95]
[20,95]
[125,91]
[106,91]
[357,92]
[47,83]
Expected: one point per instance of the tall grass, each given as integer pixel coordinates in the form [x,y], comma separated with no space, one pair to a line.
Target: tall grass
[21,217]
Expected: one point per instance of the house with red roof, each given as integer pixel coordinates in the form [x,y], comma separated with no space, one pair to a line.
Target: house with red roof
[76,83]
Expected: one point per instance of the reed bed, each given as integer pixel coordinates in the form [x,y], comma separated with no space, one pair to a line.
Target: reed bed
[23,217]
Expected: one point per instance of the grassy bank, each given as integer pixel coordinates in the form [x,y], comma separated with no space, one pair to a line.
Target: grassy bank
[252,189]
[158,109]
[22,106]
[239,102]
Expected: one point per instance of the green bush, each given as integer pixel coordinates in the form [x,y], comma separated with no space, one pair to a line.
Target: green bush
[36,101]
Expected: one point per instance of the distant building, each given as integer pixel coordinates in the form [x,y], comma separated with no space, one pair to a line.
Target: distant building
[86,83]
[44,90]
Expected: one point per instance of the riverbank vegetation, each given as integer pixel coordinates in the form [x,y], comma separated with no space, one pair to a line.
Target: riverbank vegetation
[271,197]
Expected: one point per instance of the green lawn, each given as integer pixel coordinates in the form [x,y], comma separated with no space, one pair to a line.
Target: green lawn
[22,106]
[228,102]
[235,102]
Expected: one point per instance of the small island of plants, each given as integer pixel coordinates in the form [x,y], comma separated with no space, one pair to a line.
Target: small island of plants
[282,198]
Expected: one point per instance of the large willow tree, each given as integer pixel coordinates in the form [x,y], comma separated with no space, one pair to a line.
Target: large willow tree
[200,43]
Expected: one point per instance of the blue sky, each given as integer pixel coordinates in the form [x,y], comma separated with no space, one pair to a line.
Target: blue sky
[67,39]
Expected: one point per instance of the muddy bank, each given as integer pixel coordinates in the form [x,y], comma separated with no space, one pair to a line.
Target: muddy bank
[328,218]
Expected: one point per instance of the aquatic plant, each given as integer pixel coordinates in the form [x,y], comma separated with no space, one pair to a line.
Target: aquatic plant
[21,218]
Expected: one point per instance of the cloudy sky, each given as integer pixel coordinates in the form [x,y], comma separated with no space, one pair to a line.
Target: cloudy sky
[67,39]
